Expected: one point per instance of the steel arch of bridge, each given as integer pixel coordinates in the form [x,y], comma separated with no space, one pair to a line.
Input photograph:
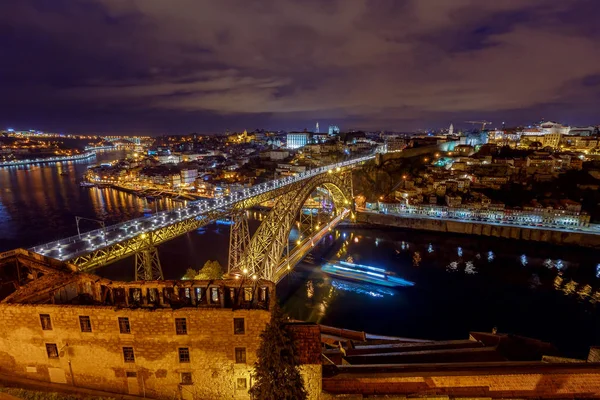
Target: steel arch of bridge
[104,246]
[263,254]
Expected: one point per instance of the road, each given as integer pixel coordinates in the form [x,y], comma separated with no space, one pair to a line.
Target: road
[301,250]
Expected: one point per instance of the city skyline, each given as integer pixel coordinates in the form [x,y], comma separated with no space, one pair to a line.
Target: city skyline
[207,67]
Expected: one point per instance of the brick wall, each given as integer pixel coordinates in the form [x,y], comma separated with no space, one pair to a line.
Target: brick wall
[307,338]
[525,385]
[308,342]
[95,359]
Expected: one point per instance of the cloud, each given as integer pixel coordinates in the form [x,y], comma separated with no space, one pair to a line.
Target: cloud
[379,63]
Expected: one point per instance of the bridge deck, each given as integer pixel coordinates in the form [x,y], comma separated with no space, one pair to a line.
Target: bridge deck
[103,246]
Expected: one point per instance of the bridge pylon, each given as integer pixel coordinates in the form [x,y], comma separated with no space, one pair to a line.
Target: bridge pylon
[147,262]
[239,238]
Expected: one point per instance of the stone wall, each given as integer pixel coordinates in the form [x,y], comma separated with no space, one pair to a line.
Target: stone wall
[95,359]
[509,385]
[482,229]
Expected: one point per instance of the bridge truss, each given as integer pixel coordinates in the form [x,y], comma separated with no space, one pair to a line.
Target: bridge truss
[263,254]
[260,254]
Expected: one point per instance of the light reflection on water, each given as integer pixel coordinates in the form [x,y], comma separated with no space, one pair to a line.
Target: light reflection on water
[361,288]
[488,283]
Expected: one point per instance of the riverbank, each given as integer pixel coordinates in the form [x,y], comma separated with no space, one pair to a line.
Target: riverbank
[146,193]
[558,237]
[48,160]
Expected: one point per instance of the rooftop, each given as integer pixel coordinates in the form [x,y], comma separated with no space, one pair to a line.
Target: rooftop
[29,278]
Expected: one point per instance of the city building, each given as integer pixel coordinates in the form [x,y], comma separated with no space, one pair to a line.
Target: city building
[395,143]
[296,140]
[333,130]
[565,213]
[188,176]
[275,155]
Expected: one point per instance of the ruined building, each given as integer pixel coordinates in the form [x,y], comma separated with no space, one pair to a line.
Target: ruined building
[198,340]
[163,339]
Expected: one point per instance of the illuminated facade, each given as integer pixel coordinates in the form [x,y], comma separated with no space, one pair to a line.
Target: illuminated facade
[296,140]
[568,216]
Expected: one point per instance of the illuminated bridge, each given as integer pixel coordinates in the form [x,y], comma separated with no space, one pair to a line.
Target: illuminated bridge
[259,256]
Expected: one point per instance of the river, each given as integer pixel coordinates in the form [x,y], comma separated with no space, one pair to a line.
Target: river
[462,283]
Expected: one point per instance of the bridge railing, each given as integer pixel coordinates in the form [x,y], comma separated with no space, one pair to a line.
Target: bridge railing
[200,207]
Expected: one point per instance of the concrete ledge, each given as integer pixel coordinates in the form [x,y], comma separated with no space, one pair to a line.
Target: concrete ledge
[582,239]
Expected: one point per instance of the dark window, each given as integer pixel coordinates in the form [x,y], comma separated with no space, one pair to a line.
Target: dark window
[52,350]
[85,324]
[128,355]
[131,374]
[46,322]
[240,355]
[184,355]
[124,325]
[180,326]
[238,326]
[186,378]
[241,383]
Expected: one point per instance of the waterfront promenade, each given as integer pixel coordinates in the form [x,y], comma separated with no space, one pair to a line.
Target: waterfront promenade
[577,236]
[83,156]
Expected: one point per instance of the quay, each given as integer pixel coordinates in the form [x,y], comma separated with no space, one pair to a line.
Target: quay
[48,160]
[146,193]
[559,236]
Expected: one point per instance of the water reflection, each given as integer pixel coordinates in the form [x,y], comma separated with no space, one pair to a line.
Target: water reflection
[509,281]
[37,204]
[366,289]
[523,260]
[470,268]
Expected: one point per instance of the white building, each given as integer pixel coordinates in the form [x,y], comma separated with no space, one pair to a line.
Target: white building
[296,140]
[188,176]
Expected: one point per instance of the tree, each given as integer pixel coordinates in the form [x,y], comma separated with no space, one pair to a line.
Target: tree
[210,270]
[276,373]
[190,273]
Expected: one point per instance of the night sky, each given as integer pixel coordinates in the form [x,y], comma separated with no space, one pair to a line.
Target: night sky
[180,66]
